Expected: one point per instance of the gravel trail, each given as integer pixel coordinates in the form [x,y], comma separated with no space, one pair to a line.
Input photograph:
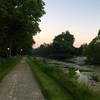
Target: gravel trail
[20,84]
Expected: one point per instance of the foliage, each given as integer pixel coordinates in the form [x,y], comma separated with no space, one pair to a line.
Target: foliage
[93,50]
[63,43]
[50,88]
[19,21]
[44,50]
[75,90]
[82,49]
[61,47]
[71,73]
[7,65]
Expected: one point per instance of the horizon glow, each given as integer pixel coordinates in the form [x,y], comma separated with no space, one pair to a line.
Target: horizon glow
[80,17]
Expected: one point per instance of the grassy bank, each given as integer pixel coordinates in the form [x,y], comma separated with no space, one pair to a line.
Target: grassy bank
[50,88]
[74,89]
[7,64]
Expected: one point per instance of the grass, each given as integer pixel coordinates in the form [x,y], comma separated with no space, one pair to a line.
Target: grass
[50,88]
[7,64]
[60,79]
[77,91]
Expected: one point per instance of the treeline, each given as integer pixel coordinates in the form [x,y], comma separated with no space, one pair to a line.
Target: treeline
[62,48]
[92,50]
[19,21]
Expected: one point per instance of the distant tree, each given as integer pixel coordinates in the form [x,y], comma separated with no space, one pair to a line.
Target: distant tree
[44,50]
[61,47]
[93,50]
[63,43]
[82,49]
[99,33]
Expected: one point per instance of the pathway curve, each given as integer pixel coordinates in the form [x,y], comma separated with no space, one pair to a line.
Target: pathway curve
[20,84]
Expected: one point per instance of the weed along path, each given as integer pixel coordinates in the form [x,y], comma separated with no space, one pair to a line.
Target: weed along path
[20,84]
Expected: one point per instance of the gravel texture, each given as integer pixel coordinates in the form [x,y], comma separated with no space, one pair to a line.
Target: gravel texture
[20,84]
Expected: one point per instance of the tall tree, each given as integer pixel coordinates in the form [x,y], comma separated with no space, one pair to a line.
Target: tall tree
[93,50]
[63,43]
[99,33]
[19,21]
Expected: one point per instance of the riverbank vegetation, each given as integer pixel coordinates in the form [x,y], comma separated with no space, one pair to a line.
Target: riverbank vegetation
[93,50]
[72,88]
[62,48]
[50,88]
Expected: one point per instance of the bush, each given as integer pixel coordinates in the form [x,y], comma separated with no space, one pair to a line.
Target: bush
[93,50]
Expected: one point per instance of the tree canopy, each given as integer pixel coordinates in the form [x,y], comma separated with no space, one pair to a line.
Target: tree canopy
[63,43]
[19,21]
[93,50]
[61,47]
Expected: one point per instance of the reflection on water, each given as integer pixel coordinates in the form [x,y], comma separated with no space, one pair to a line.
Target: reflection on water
[87,78]
[82,77]
[78,72]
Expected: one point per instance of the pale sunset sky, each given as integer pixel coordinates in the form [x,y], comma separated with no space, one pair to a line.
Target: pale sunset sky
[80,17]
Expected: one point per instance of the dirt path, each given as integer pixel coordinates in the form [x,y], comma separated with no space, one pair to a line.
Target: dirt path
[20,84]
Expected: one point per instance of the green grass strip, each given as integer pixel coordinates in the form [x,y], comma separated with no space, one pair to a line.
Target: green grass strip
[76,90]
[51,89]
[8,65]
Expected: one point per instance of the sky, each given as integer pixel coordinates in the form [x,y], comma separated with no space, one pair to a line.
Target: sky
[80,17]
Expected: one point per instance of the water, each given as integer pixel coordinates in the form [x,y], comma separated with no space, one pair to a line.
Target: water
[85,73]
